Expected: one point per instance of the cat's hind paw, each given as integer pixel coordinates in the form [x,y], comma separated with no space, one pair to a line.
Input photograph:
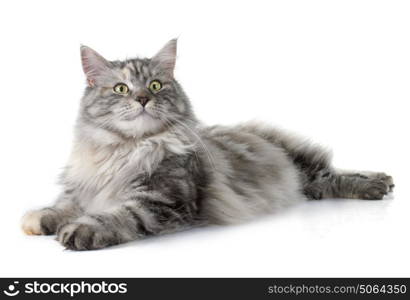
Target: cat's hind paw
[387,180]
[377,186]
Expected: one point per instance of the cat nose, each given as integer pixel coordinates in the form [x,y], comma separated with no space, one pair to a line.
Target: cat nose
[143,100]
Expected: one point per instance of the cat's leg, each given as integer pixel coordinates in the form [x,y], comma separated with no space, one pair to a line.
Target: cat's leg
[45,221]
[360,185]
[146,214]
[353,185]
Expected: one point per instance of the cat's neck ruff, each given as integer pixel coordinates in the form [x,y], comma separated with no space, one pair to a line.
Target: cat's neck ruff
[95,165]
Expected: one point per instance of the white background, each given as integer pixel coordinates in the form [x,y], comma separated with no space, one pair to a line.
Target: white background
[336,71]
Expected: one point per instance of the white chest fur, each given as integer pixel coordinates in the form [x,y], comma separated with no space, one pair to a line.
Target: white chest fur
[95,169]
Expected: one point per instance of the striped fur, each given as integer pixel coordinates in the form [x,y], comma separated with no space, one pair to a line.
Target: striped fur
[136,171]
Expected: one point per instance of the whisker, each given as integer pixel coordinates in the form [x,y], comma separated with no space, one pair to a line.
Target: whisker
[202,143]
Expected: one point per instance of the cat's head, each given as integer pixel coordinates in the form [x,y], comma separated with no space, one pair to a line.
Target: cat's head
[132,98]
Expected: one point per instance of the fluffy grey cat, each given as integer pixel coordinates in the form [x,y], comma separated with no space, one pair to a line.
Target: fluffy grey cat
[143,165]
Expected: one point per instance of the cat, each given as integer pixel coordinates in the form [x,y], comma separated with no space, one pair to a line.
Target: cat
[142,164]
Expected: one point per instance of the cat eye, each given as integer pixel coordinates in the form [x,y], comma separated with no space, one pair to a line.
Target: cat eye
[121,89]
[155,86]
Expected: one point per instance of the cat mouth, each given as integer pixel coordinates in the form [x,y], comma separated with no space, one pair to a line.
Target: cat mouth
[151,114]
[141,114]
[145,113]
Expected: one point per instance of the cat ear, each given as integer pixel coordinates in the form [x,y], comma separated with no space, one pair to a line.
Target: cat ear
[166,57]
[94,65]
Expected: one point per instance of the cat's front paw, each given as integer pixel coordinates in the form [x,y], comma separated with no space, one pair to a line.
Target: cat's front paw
[39,222]
[83,236]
